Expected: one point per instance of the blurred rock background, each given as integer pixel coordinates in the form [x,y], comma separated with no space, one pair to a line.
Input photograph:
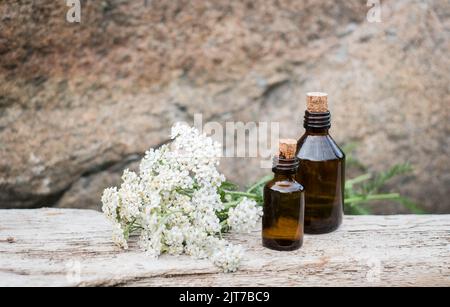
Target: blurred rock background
[81,102]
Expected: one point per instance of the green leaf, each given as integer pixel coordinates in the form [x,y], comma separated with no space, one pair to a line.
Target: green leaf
[357,210]
[381,179]
[412,206]
[350,160]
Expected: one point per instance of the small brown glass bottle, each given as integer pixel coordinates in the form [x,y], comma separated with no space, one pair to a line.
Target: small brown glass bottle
[321,170]
[284,203]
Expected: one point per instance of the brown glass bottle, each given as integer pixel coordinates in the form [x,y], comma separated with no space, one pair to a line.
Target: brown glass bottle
[321,171]
[284,203]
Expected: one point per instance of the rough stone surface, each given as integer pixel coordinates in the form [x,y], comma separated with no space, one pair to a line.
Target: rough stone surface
[63,247]
[79,102]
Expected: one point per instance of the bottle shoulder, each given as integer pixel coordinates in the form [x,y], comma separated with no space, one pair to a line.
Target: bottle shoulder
[284,186]
[318,148]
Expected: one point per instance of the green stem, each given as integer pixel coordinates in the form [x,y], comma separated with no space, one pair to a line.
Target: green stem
[237,193]
[128,230]
[185,192]
[372,197]
[166,217]
[231,204]
[260,182]
[358,179]
[223,227]
[359,210]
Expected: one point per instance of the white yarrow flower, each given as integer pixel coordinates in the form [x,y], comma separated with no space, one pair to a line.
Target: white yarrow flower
[173,202]
[228,258]
[245,216]
[118,236]
[110,200]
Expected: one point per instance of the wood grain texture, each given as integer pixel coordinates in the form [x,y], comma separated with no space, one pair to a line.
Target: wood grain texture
[48,247]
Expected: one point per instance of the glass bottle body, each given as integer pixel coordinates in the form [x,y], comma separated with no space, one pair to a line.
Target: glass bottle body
[322,172]
[284,203]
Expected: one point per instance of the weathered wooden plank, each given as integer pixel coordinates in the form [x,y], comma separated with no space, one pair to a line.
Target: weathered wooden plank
[49,247]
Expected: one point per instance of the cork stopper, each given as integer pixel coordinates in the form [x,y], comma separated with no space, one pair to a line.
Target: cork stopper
[287,148]
[317,102]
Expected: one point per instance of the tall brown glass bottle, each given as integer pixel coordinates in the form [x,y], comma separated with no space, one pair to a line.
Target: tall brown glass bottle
[284,203]
[321,170]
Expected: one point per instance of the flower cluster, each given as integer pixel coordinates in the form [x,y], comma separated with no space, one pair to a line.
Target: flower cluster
[176,204]
[242,217]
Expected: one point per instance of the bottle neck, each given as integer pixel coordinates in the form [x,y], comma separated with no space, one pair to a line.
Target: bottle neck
[283,176]
[317,123]
[285,169]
